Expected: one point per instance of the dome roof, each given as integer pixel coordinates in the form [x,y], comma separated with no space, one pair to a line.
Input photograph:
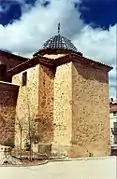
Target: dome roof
[59,42]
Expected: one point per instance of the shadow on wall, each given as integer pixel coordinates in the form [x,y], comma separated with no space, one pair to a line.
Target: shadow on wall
[49,71]
[7,132]
[91,73]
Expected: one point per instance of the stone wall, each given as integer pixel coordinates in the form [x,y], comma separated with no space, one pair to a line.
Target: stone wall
[62,107]
[69,106]
[35,101]
[8,99]
[90,111]
[11,62]
[27,103]
[45,109]
[45,102]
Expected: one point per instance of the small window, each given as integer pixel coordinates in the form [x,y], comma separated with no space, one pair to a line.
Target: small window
[2,70]
[24,79]
[115,139]
[115,124]
[115,113]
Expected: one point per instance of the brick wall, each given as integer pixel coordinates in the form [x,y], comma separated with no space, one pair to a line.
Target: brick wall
[8,99]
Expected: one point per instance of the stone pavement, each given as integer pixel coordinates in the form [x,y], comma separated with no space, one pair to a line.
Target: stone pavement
[97,168]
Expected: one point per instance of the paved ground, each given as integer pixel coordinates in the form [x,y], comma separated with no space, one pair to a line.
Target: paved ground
[78,169]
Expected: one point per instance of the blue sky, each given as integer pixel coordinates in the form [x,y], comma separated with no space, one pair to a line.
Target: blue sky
[90,24]
[98,13]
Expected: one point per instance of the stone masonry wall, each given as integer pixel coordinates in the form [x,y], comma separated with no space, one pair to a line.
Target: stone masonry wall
[45,113]
[35,100]
[8,99]
[9,61]
[71,109]
[62,107]
[90,111]
[27,103]
[45,108]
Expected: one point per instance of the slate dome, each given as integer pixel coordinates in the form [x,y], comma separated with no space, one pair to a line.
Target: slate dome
[59,42]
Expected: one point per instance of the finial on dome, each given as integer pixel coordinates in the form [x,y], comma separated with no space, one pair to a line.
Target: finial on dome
[59,27]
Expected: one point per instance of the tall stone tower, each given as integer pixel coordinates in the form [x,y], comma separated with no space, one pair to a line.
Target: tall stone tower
[67,95]
[74,98]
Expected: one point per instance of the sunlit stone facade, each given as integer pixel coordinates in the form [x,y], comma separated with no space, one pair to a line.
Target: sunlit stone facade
[62,98]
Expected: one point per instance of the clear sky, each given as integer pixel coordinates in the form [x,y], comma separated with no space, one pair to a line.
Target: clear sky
[90,24]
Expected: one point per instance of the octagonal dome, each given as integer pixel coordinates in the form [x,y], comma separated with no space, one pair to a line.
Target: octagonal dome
[59,42]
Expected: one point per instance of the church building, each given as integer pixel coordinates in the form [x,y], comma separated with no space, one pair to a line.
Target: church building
[59,97]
